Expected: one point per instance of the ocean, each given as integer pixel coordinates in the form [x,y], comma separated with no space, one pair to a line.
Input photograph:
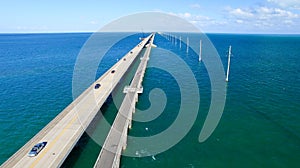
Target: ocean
[260,122]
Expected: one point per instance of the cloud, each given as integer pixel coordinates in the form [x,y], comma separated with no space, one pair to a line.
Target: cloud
[195,6]
[294,4]
[261,16]
[261,13]
[275,13]
[239,21]
[289,22]
[247,19]
[240,13]
[184,15]
[200,20]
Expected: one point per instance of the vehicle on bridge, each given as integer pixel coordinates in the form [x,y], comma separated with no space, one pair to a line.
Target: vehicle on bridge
[97,86]
[36,149]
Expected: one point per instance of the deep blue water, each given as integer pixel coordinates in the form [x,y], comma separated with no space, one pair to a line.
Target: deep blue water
[259,127]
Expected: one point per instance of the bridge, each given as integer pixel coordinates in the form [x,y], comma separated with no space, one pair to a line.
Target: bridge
[116,140]
[63,132]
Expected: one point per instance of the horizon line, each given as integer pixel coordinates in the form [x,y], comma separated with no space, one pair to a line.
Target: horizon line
[74,32]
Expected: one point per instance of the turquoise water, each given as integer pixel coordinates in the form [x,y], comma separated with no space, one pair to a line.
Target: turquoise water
[259,127]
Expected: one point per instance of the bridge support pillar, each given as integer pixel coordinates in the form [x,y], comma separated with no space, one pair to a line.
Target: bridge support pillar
[130,124]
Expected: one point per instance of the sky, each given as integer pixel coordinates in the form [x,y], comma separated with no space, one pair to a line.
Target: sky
[210,16]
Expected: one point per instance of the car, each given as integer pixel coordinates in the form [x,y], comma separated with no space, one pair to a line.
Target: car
[97,86]
[36,149]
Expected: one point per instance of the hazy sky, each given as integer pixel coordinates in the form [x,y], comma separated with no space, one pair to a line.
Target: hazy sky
[222,16]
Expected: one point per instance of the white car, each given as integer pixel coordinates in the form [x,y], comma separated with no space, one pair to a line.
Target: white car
[36,149]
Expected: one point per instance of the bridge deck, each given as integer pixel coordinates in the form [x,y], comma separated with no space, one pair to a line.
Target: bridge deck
[63,132]
[116,140]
